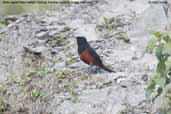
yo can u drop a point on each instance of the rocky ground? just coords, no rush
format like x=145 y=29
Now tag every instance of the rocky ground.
x=40 y=71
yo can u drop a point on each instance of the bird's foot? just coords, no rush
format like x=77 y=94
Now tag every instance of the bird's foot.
x=94 y=69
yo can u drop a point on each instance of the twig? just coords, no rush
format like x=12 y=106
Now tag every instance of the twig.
x=166 y=8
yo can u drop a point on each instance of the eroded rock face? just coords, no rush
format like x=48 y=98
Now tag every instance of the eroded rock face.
x=40 y=67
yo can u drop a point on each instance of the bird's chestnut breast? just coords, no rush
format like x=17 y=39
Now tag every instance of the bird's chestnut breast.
x=87 y=57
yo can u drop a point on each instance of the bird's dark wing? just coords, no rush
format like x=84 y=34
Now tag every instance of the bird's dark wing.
x=98 y=60
x=95 y=55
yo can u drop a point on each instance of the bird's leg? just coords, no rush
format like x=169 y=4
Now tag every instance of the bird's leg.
x=89 y=69
x=89 y=75
x=97 y=69
x=94 y=69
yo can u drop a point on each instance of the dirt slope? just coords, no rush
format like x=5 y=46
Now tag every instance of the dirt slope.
x=41 y=73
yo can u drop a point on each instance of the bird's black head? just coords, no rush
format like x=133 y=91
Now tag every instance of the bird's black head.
x=81 y=40
x=82 y=43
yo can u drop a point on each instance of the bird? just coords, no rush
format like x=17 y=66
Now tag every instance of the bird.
x=88 y=55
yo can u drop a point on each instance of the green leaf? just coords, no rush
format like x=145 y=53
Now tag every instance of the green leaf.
x=159 y=80
x=106 y=20
x=168 y=65
x=151 y=44
x=167 y=38
x=168 y=112
x=167 y=99
x=167 y=48
x=35 y=93
x=158 y=53
x=167 y=80
x=2 y=25
x=42 y=73
x=61 y=75
x=161 y=67
x=156 y=33
x=159 y=91
x=150 y=88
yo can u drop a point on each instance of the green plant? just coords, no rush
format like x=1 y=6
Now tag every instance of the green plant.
x=2 y=105
x=71 y=88
x=35 y=93
x=122 y=36
x=111 y=27
x=161 y=46
x=61 y=75
x=70 y=61
x=59 y=39
x=43 y=71
x=107 y=23
x=2 y=25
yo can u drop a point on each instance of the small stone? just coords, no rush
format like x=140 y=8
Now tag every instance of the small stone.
x=42 y=34
x=10 y=19
x=59 y=66
x=36 y=50
x=134 y=58
x=52 y=33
